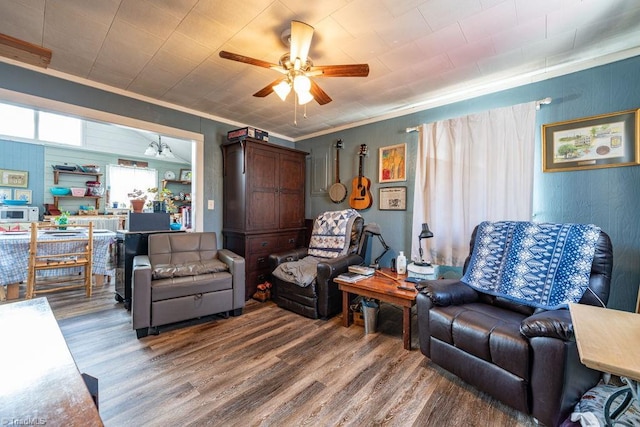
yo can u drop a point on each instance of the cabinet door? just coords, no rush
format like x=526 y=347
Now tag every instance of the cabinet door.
x=234 y=206
x=262 y=189
x=291 y=200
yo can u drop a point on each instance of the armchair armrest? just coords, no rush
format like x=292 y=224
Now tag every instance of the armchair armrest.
x=445 y=292
x=552 y=324
x=329 y=296
x=141 y=292
x=292 y=255
x=237 y=270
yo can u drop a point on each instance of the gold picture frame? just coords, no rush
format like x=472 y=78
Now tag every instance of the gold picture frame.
x=393 y=163
x=603 y=141
x=12 y=178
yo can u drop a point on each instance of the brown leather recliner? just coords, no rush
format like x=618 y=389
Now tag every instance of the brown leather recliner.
x=321 y=299
x=522 y=356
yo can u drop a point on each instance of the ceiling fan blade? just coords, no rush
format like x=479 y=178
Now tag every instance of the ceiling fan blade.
x=268 y=89
x=251 y=61
x=347 y=70
x=301 y=35
x=319 y=95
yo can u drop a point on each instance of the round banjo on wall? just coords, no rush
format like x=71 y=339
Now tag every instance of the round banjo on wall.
x=338 y=191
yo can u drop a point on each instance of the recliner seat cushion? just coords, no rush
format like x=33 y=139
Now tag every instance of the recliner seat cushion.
x=487 y=332
x=192 y=268
x=190 y=285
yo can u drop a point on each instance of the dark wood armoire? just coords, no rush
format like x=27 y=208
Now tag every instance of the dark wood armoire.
x=263 y=209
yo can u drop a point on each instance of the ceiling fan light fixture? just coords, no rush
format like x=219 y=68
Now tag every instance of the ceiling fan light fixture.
x=301 y=84
x=304 y=97
x=282 y=89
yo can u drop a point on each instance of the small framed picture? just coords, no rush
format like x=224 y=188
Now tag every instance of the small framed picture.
x=5 y=194
x=11 y=178
x=23 y=195
x=393 y=164
x=393 y=199
x=185 y=174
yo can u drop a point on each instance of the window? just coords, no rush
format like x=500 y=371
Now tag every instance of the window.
x=17 y=121
x=20 y=122
x=122 y=180
x=60 y=129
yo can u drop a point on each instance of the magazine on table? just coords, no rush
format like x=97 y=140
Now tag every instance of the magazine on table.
x=351 y=277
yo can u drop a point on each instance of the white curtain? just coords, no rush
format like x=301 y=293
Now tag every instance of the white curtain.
x=471 y=169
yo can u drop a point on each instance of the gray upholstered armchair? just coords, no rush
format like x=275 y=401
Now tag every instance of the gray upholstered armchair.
x=185 y=276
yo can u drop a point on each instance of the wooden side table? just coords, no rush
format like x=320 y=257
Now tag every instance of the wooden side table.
x=607 y=341
x=384 y=289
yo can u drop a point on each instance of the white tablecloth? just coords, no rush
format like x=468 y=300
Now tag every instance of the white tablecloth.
x=14 y=254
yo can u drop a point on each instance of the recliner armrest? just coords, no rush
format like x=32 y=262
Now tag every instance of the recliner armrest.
x=332 y=267
x=236 y=265
x=445 y=292
x=292 y=255
x=141 y=292
x=551 y=323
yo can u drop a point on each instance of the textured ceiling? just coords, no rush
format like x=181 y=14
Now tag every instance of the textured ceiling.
x=417 y=50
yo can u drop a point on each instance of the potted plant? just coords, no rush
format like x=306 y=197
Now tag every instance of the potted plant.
x=137 y=199
x=62 y=219
x=163 y=200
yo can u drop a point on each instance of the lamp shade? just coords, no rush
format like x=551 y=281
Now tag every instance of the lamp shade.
x=282 y=89
x=425 y=233
x=304 y=97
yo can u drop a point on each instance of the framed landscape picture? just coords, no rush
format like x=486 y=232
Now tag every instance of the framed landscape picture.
x=603 y=141
x=393 y=163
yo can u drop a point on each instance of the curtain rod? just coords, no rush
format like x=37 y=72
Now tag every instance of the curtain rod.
x=544 y=101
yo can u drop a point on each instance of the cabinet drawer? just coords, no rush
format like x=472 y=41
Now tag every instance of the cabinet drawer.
x=256 y=262
x=290 y=241
x=263 y=244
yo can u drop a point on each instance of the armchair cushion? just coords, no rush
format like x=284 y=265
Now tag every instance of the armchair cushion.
x=191 y=268
x=301 y=272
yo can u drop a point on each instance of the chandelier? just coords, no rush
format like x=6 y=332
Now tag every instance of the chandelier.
x=159 y=149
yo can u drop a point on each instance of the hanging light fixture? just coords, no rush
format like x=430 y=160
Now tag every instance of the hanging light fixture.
x=159 y=149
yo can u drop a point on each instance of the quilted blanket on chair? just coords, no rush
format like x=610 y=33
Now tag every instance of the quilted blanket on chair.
x=331 y=234
x=543 y=265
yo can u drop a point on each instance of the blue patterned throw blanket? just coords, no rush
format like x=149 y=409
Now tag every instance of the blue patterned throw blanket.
x=543 y=265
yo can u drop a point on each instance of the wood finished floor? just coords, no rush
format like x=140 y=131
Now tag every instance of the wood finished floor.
x=268 y=367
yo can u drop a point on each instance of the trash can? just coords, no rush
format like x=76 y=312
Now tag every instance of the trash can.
x=370 y=313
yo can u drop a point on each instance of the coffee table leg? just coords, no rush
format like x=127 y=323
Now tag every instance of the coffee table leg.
x=406 y=327
x=346 y=320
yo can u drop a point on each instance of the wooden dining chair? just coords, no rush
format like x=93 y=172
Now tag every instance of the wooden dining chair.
x=56 y=249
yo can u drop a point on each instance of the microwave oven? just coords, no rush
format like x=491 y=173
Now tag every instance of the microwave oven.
x=19 y=213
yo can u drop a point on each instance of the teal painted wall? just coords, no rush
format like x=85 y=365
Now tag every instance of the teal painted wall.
x=608 y=197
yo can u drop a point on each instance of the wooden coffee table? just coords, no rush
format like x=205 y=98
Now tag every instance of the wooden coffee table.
x=384 y=289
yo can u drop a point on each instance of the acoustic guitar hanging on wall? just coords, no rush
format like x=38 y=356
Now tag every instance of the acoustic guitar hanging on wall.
x=360 y=195
x=338 y=191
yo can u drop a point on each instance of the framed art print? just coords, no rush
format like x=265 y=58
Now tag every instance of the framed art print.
x=393 y=164
x=603 y=141
x=393 y=199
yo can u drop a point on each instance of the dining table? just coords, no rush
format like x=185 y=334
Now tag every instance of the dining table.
x=14 y=253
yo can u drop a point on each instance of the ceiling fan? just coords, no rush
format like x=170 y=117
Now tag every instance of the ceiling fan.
x=297 y=68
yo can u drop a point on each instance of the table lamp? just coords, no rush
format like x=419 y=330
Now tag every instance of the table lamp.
x=424 y=234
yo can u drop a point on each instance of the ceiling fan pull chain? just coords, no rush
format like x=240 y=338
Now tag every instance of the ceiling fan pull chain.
x=295 y=108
